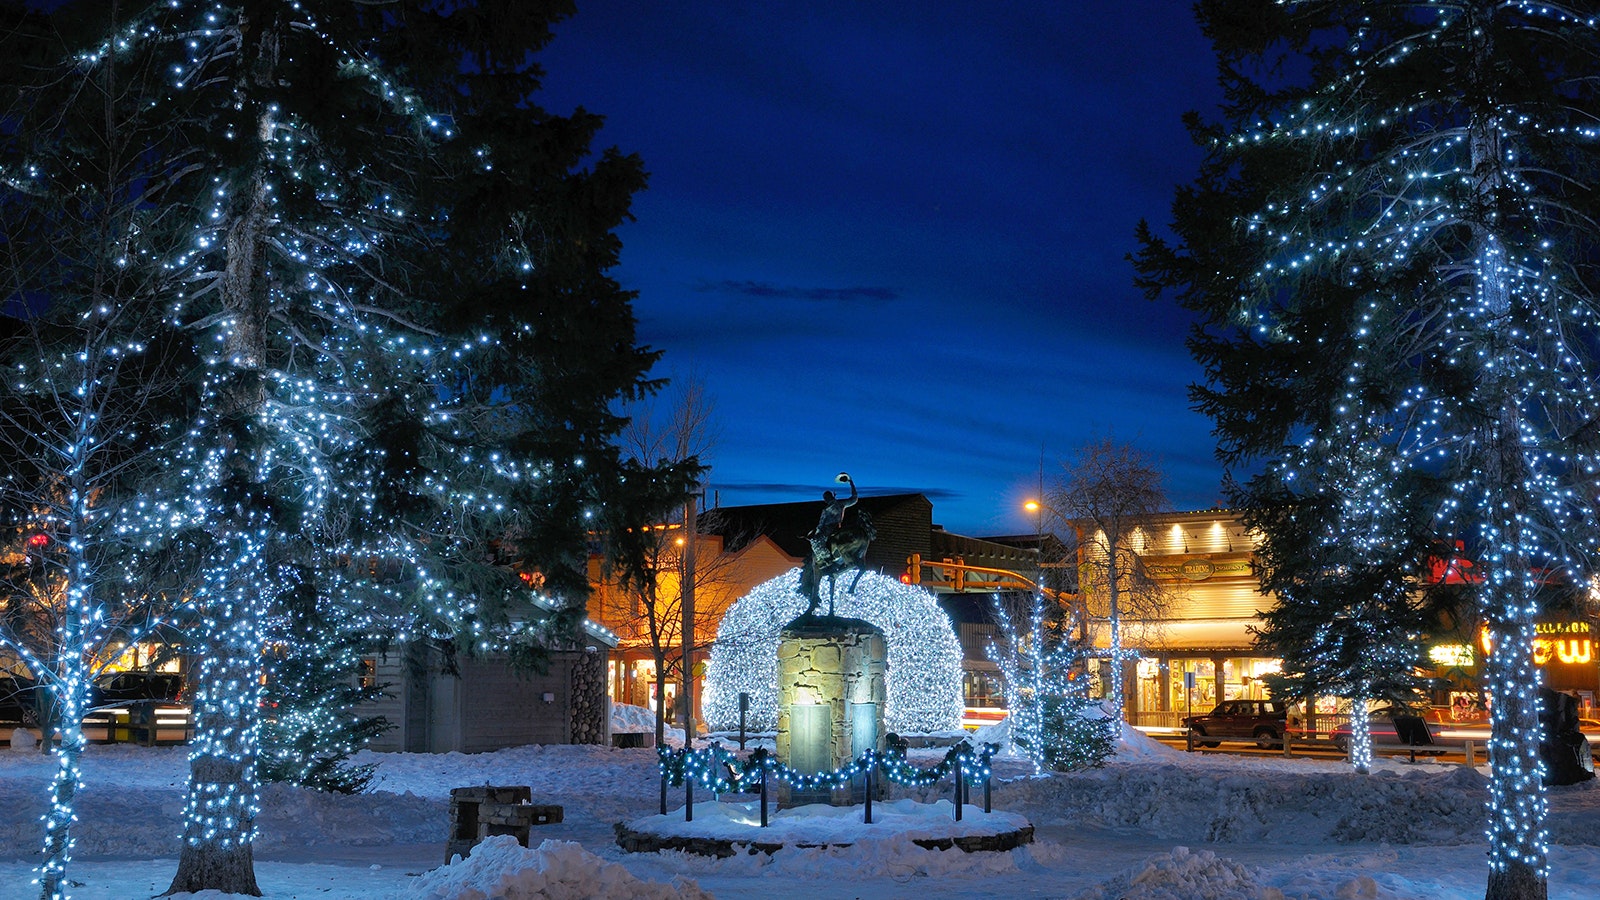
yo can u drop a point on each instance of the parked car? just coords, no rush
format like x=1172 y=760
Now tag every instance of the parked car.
x=1381 y=723
x=113 y=688
x=18 y=700
x=1262 y=721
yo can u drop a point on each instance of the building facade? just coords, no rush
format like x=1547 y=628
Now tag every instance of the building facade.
x=1200 y=649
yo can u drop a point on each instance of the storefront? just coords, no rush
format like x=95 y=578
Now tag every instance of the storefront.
x=1563 y=649
x=1194 y=645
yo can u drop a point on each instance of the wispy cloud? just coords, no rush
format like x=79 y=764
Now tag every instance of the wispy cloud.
x=778 y=492
x=790 y=292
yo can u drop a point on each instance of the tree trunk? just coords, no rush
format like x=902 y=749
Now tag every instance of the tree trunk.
x=661 y=701
x=1519 y=881
x=63 y=794
x=1114 y=613
x=1518 y=853
x=211 y=859
x=1360 y=734
x=219 y=816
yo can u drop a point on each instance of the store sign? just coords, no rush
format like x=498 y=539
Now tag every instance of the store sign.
x=1197 y=568
x=1454 y=656
x=1569 y=643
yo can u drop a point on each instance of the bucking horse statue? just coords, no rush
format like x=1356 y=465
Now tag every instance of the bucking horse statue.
x=836 y=546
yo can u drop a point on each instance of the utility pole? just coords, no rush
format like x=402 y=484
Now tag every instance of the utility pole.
x=686 y=589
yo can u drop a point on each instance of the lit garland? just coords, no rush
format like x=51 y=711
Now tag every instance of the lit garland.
x=718 y=770
x=924 y=664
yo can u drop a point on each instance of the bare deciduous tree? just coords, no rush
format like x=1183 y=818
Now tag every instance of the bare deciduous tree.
x=1109 y=494
x=659 y=601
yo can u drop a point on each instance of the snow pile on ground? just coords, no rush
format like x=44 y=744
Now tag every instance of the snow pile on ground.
x=1135 y=744
x=501 y=869
x=894 y=856
x=629 y=719
x=1221 y=801
x=1182 y=875
x=818 y=823
x=998 y=733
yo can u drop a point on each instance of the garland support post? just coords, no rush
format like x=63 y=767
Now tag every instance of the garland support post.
x=744 y=708
x=688 y=793
x=958 y=787
x=763 y=791
x=988 y=797
x=866 y=779
x=663 y=790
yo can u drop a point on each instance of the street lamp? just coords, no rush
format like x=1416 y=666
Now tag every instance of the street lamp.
x=1037 y=508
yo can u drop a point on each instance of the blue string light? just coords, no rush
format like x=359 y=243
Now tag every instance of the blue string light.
x=718 y=770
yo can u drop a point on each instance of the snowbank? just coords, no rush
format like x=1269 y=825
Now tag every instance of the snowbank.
x=1219 y=800
x=629 y=719
x=1135 y=744
x=1181 y=875
x=501 y=869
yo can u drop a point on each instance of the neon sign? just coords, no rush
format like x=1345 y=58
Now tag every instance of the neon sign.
x=1565 y=642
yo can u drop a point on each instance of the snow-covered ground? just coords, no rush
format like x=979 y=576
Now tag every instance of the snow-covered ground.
x=1155 y=823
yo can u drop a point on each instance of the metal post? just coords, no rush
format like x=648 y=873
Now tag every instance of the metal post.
x=763 y=792
x=867 y=779
x=959 y=779
x=744 y=707
x=988 y=798
x=686 y=586
x=688 y=794
x=663 y=792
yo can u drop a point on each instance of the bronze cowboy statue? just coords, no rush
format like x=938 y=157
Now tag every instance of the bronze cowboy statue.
x=836 y=546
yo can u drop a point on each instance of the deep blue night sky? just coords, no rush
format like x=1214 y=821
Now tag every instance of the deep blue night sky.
x=890 y=237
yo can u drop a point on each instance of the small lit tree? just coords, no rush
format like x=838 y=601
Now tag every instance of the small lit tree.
x=1053 y=719
x=313 y=688
x=92 y=381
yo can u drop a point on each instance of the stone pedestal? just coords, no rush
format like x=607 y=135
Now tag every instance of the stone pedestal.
x=481 y=812
x=831 y=696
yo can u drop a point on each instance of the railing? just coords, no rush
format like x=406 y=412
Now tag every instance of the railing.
x=1158 y=718
x=139 y=723
x=1325 y=723
x=720 y=771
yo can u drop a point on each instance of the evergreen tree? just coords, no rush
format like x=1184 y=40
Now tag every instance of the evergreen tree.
x=1414 y=183
x=408 y=350
x=314 y=687
x=1343 y=561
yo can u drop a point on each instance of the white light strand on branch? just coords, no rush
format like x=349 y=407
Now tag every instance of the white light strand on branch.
x=924 y=665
